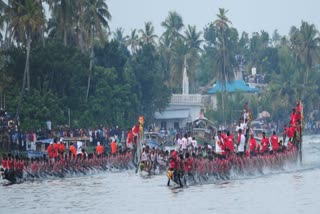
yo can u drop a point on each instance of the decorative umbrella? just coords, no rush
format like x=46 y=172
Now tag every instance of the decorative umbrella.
x=264 y=114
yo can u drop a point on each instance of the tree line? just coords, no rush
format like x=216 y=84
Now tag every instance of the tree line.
x=72 y=60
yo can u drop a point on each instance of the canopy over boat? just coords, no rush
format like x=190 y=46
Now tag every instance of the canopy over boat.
x=203 y=130
x=153 y=139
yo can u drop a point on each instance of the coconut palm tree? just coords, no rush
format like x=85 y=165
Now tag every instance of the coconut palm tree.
x=193 y=41
x=173 y=26
x=147 y=35
x=179 y=55
x=63 y=14
x=305 y=44
x=193 y=38
x=93 y=16
x=118 y=35
x=222 y=24
x=27 y=18
x=166 y=55
x=133 y=41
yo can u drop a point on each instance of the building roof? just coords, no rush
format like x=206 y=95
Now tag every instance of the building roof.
x=172 y=114
x=231 y=87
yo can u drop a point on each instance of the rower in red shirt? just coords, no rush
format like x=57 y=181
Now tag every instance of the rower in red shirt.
x=229 y=144
x=172 y=171
x=51 y=151
x=5 y=162
x=274 y=142
x=188 y=164
x=252 y=145
x=264 y=144
x=56 y=147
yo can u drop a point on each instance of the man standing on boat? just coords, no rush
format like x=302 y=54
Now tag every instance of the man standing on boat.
x=293 y=117
x=241 y=142
x=219 y=146
x=79 y=149
x=184 y=142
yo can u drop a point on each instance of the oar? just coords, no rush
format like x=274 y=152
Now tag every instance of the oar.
x=30 y=173
x=138 y=166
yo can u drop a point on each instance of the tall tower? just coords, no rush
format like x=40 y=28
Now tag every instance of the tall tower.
x=185 y=79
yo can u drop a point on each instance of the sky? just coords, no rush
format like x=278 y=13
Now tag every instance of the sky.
x=245 y=15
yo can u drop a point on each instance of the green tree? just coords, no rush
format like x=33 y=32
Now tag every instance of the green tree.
x=193 y=42
x=173 y=25
x=147 y=35
x=133 y=41
x=165 y=55
x=224 y=75
x=306 y=45
x=94 y=17
x=27 y=19
x=153 y=94
x=63 y=14
x=119 y=36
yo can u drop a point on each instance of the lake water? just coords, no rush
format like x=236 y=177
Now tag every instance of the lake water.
x=296 y=190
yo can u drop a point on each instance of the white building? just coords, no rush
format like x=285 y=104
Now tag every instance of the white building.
x=183 y=108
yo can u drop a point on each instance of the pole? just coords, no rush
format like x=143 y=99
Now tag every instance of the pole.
x=301 y=126
x=300 y=144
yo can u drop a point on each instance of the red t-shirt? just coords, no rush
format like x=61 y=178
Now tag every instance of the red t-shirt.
x=291 y=132
x=253 y=144
x=264 y=144
x=229 y=144
x=173 y=163
x=274 y=142
x=5 y=164
x=293 y=118
x=188 y=165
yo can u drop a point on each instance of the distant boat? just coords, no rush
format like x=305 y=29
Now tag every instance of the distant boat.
x=153 y=139
x=203 y=130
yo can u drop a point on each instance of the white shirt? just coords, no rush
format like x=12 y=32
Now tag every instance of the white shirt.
x=79 y=147
x=178 y=141
x=245 y=116
x=243 y=127
x=241 y=144
x=194 y=143
x=189 y=142
x=144 y=156
x=183 y=143
x=218 y=148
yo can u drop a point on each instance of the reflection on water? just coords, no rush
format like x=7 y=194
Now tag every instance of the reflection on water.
x=293 y=191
